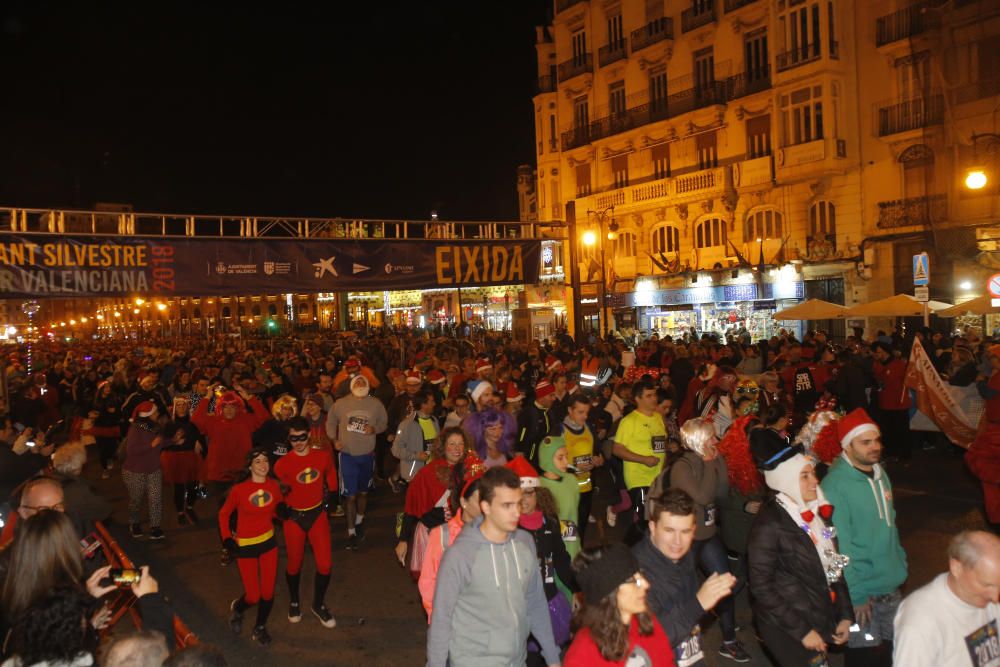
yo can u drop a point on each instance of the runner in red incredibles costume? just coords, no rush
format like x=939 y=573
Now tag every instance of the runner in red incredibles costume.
x=255 y=498
x=302 y=472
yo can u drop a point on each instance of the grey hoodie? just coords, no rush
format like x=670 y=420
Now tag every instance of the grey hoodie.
x=488 y=598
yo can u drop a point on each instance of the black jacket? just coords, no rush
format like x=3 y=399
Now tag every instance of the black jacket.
x=673 y=590
x=788 y=586
x=849 y=386
x=533 y=424
x=553 y=559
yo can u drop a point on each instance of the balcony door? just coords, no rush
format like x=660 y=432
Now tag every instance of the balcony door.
x=704 y=72
x=755 y=56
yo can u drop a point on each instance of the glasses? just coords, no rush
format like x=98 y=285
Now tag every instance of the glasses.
x=302 y=437
x=639 y=579
x=32 y=509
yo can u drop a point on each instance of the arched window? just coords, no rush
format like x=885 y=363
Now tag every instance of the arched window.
x=303 y=308
x=227 y=312
x=256 y=310
x=623 y=245
x=710 y=233
x=823 y=220
x=184 y=313
x=764 y=224
x=666 y=238
x=197 y=313
x=272 y=310
x=918 y=171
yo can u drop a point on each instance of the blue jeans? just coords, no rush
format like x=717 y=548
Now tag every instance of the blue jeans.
x=711 y=557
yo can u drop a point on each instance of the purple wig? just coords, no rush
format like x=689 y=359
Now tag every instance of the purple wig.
x=475 y=424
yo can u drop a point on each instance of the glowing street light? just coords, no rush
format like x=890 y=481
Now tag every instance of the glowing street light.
x=135 y=310
x=118 y=313
x=975 y=178
x=139 y=301
x=161 y=307
x=589 y=238
x=966 y=285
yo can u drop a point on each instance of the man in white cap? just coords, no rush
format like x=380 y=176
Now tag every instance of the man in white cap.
x=953 y=620
x=866 y=526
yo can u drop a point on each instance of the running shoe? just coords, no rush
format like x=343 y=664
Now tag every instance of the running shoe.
x=396 y=485
x=734 y=651
x=156 y=533
x=338 y=511
x=135 y=530
x=359 y=528
x=294 y=612
x=235 y=618
x=324 y=616
x=261 y=636
x=352 y=543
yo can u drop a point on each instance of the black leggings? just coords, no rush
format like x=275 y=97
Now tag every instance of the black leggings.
x=785 y=649
x=185 y=495
x=583 y=513
x=108 y=448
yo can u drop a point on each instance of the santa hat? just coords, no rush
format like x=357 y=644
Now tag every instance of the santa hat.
x=352 y=365
x=144 y=409
x=413 y=377
x=854 y=424
x=513 y=393
x=543 y=388
x=435 y=377
x=478 y=388
x=524 y=470
x=483 y=365
x=552 y=363
x=229 y=398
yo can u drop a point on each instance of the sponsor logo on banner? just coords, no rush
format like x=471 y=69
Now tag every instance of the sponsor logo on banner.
x=220 y=268
x=325 y=266
x=398 y=268
x=277 y=268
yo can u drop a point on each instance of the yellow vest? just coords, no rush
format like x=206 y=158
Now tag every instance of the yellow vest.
x=580 y=449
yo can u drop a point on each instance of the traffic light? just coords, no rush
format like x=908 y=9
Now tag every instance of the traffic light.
x=271 y=324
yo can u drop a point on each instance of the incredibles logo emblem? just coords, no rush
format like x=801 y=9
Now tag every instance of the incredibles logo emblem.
x=260 y=498
x=307 y=476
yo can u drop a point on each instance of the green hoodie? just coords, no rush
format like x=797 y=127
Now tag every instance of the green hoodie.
x=866 y=529
x=565 y=490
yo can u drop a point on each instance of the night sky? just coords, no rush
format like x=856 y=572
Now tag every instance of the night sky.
x=389 y=110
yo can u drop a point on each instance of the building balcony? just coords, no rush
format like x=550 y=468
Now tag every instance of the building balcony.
x=612 y=52
x=546 y=84
x=907 y=22
x=748 y=83
x=801 y=55
x=563 y=5
x=685 y=188
x=912 y=211
x=576 y=66
x=653 y=32
x=910 y=115
x=691 y=20
x=698 y=97
x=733 y=5
x=752 y=172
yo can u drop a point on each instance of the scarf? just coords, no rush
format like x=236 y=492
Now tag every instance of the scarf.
x=813 y=521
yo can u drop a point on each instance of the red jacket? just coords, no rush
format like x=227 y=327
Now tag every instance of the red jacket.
x=654 y=649
x=893 y=394
x=229 y=440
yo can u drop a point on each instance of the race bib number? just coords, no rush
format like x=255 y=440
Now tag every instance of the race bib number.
x=710 y=513
x=984 y=646
x=356 y=424
x=689 y=652
x=580 y=461
x=569 y=531
x=548 y=570
x=659 y=444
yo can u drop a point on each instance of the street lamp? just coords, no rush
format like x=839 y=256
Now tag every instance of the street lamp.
x=589 y=239
x=976 y=176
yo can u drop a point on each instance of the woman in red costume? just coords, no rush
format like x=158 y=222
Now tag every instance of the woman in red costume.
x=983 y=457
x=428 y=494
x=254 y=498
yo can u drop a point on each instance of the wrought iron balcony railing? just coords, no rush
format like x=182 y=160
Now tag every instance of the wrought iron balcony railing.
x=612 y=52
x=797 y=56
x=912 y=211
x=577 y=65
x=653 y=32
x=910 y=115
x=906 y=22
x=691 y=20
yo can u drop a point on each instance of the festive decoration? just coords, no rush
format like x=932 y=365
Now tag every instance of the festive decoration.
x=30 y=308
x=808 y=516
x=819 y=438
x=635 y=373
x=826 y=511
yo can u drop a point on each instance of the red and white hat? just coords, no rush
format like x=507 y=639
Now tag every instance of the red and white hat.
x=144 y=409
x=435 y=377
x=543 y=388
x=483 y=365
x=524 y=470
x=478 y=389
x=854 y=424
x=513 y=392
x=413 y=377
x=552 y=363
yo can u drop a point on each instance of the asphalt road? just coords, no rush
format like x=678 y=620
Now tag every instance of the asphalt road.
x=380 y=620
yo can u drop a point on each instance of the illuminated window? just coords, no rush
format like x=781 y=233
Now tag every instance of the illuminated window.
x=710 y=233
x=666 y=239
x=764 y=224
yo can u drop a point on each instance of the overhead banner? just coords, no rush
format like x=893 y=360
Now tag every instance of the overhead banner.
x=40 y=265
